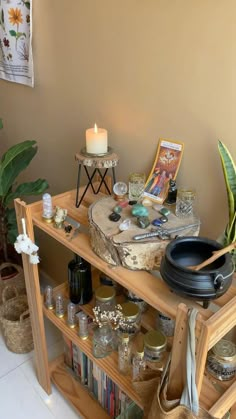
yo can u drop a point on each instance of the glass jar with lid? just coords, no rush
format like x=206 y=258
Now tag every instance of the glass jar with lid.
x=185 y=202
x=154 y=348
x=131 y=319
x=165 y=324
x=105 y=298
x=143 y=306
x=221 y=360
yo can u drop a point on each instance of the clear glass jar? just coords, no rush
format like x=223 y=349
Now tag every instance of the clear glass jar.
x=221 y=360
x=124 y=355
x=154 y=349
x=103 y=340
x=143 y=306
x=185 y=202
x=131 y=319
x=136 y=186
x=165 y=324
x=105 y=298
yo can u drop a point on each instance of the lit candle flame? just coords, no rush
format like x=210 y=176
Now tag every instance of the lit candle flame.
x=95 y=128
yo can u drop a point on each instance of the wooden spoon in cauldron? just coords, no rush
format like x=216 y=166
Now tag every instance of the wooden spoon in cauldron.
x=216 y=255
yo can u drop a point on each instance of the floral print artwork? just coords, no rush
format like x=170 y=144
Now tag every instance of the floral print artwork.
x=16 y=63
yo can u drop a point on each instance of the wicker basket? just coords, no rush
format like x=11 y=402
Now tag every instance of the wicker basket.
x=15 y=322
x=18 y=280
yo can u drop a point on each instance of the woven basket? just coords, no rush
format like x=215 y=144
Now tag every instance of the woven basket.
x=18 y=280
x=15 y=322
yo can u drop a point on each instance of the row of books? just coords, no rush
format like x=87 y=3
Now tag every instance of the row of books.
x=103 y=389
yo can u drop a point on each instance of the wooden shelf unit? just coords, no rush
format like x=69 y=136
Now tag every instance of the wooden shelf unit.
x=216 y=397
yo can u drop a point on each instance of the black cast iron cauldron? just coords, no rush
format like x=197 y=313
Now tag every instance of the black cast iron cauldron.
x=204 y=285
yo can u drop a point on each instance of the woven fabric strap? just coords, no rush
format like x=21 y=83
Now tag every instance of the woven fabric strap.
x=189 y=396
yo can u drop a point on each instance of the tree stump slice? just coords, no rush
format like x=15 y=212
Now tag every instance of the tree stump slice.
x=118 y=248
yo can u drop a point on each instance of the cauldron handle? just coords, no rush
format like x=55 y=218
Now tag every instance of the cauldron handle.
x=219 y=281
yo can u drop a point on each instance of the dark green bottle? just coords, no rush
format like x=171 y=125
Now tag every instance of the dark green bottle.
x=80 y=281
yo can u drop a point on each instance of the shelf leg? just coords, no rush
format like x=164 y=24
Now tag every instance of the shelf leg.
x=34 y=301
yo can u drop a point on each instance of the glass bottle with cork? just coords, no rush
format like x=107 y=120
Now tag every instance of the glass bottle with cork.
x=124 y=355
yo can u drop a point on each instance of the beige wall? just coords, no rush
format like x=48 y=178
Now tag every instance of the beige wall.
x=143 y=69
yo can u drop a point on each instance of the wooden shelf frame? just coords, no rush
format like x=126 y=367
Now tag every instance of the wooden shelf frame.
x=209 y=329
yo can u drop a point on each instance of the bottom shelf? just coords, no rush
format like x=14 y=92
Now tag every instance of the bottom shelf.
x=75 y=392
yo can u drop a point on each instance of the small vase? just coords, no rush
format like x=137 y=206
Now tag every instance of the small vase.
x=103 y=341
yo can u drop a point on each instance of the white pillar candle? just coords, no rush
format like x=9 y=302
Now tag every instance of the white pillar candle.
x=96 y=140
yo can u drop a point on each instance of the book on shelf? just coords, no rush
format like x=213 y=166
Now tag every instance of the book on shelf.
x=108 y=394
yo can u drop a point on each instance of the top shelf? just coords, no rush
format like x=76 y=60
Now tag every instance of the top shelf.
x=148 y=286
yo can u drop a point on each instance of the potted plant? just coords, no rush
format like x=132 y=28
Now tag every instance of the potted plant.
x=229 y=171
x=13 y=162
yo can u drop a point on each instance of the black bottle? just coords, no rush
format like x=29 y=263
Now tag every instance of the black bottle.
x=80 y=281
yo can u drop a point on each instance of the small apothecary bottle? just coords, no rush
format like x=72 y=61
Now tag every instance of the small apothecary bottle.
x=221 y=360
x=138 y=363
x=131 y=319
x=83 y=325
x=124 y=355
x=48 y=297
x=105 y=298
x=80 y=281
x=60 y=309
x=154 y=349
x=71 y=314
x=165 y=324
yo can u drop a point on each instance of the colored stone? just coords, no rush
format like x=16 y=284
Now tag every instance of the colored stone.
x=164 y=211
x=117 y=209
x=125 y=225
x=147 y=202
x=132 y=202
x=163 y=219
x=123 y=204
x=114 y=217
x=138 y=210
x=157 y=222
x=143 y=222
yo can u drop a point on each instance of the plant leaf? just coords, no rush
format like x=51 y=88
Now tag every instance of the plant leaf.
x=29 y=188
x=19 y=34
x=12 y=33
x=13 y=162
x=229 y=171
x=27 y=4
x=12 y=230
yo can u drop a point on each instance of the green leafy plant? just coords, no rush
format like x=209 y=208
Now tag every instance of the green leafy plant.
x=229 y=171
x=13 y=162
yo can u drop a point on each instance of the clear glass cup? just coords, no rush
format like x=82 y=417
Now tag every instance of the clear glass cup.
x=185 y=202
x=136 y=186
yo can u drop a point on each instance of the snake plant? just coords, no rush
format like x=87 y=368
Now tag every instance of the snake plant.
x=229 y=171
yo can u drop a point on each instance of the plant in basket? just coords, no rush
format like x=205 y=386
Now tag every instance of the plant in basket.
x=13 y=162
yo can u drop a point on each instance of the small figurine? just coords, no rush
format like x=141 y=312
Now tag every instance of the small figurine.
x=59 y=217
x=172 y=193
